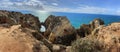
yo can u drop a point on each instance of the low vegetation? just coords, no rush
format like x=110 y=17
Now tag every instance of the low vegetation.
x=86 y=45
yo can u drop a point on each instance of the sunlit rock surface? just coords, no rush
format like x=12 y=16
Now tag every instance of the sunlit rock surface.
x=18 y=39
x=59 y=30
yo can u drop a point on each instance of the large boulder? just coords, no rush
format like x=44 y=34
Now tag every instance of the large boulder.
x=15 y=18
x=18 y=39
x=59 y=30
x=86 y=29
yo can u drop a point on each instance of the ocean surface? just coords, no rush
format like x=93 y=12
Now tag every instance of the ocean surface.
x=77 y=19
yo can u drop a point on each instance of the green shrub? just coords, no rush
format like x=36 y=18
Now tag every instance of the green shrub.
x=86 y=45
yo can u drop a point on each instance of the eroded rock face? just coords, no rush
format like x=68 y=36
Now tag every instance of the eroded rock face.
x=59 y=30
x=15 y=18
x=110 y=36
x=96 y=23
x=86 y=29
x=102 y=39
x=18 y=39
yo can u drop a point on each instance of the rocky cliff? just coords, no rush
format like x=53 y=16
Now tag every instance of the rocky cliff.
x=21 y=33
x=14 y=18
x=110 y=37
x=102 y=39
x=18 y=39
x=59 y=30
x=86 y=29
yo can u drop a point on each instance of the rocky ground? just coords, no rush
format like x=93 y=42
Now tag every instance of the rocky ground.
x=21 y=33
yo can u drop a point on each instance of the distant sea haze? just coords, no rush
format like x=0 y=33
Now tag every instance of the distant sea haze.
x=77 y=19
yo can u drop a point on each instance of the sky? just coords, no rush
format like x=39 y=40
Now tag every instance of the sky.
x=111 y=7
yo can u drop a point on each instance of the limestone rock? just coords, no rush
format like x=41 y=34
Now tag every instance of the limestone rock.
x=18 y=39
x=96 y=23
x=110 y=36
x=16 y=18
x=59 y=48
x=59 y=30
x=104 y=39
x=86 y=29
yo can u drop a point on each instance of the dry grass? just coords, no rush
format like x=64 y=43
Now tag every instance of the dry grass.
x=87 y=45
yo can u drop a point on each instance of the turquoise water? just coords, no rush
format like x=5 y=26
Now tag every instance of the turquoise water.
x=78 y=19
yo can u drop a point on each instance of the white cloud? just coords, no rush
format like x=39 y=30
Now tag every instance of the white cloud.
x=81 y=9
x=37 y=5
x=92 y=9
x=25 y=5
x=55 y=4
x=41 y=9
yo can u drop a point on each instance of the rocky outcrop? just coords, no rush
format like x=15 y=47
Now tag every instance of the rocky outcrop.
x=96 y=23
x=15 y=18
x=21 y=33
x=59 y=30
x=86 y=29
x=102 y=39
x=18 y=39
x=110 y=37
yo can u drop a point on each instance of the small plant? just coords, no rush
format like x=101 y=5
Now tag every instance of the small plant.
x=86 y=45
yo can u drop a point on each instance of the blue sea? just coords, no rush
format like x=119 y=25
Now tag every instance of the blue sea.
x=77 y=19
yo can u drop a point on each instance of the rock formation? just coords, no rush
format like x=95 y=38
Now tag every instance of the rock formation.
x=18 y=39
x=15 y=18
x=102 y=39
x=59 y=30
x=21 y=33
x=86 y=29
x=110 y=37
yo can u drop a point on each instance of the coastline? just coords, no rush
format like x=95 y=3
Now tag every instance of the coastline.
x=59 y=34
